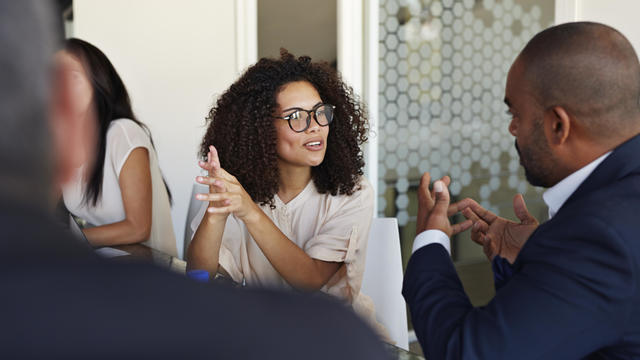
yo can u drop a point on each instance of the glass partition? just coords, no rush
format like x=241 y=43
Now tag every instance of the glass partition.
x=442 y=72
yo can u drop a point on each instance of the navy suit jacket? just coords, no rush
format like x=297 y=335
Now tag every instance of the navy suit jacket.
x=575 y=288
x=60 y=301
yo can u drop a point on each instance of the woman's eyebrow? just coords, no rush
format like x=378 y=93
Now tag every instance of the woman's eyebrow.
x=292 y=108
x=299 y=108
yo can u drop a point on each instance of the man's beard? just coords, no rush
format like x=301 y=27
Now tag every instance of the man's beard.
x=537 y=162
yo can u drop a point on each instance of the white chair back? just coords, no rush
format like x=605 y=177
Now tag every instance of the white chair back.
x=382 y=279
x=194 y=206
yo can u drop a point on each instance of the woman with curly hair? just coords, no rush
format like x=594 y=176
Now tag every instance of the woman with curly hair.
x=287 y=203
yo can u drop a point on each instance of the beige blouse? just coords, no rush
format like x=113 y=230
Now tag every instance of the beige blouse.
x=326 y=227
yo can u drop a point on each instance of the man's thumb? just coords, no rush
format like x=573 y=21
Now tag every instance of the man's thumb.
x=442 y=195
x=520 y=208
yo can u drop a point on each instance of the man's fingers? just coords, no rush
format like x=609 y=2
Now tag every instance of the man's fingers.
x=442 y=197
x=458 y=228
x=476 y=235
x=469 y=214
x=478 y=231
x=488 y=249
x=425 y=180
x=453 y=209
x=482 y=226
x=482 y=213
x=461 y=205
x=479 y=225
x=425 y=201
x=446 y=181
x=520 y=208
x=493 y=245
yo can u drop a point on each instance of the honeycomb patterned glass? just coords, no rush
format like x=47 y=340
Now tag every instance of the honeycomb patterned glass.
x=443 y=67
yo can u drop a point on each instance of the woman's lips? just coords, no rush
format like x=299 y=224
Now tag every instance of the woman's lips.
x=314 y=145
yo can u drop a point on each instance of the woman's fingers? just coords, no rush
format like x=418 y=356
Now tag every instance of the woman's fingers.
x=207 y=165
x=204 y=165
x=214 y=197
x=214 y=160
x=223 y=174
x=211 y=181
x=206 y=180
x=215 y=184
x=214 y=167
x=220 y=172
x=221 y=210
x=217 y=200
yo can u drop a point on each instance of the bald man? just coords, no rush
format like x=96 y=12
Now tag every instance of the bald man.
x=573 y=287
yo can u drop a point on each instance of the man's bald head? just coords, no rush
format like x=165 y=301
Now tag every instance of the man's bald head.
x=589 y=69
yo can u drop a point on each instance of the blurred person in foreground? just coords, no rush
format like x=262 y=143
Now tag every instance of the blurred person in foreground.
x=61 y=301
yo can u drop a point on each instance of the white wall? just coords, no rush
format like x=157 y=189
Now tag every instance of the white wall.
x=304 y=27
x=620 y=14
x=175 y=58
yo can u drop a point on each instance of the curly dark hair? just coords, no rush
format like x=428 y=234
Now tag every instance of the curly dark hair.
x=241 y=127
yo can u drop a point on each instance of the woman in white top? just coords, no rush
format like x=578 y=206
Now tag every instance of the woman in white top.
x=287 y=205
x=120 y=192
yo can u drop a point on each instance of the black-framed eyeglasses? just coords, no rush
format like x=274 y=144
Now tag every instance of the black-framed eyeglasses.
x=300 y=119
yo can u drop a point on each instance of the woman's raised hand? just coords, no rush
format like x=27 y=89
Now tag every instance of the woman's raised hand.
x=226 y=194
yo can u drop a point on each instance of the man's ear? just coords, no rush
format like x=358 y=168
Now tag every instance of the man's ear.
x=557 y=125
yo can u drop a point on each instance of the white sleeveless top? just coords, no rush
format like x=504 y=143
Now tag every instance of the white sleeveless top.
x=123 y=136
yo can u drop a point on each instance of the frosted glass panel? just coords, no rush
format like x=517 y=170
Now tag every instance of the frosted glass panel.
x=443 y=67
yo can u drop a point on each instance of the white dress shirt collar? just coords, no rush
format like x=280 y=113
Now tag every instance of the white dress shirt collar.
x=558 y=194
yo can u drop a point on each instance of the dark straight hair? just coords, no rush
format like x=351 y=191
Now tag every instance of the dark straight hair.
x=110 y=101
